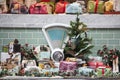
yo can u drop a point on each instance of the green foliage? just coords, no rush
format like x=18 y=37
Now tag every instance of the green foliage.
x=78 y=33
x=77 y=28
x=3 y=72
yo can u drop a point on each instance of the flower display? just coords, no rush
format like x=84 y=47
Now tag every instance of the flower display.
x=27 y=52
x=108 y=55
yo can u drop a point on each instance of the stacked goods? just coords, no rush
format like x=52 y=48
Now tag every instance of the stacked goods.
x=29 y=2
x=109 y=6
x=116 y=5
x=60 y=7
x=68 y=68
x=95 y=6
x=74 y=7
x=3 y=7
x=112 y=7
x=18 y=7
x=41 y=8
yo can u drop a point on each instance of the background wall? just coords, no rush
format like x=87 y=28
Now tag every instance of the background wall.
x=35 y=37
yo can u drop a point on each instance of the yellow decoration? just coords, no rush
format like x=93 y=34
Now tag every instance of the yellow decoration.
x=33 y=75
x=71 y=59
x=46 y=73
x=41 y=65
x=84 y=65
x=109 y=6
x=16 y=6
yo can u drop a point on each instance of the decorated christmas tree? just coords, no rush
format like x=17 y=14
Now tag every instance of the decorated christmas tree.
x=79 y=43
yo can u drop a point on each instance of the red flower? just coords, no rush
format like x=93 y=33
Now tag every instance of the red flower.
x=26 y=45
x=114 y=56
x=101 y=52
x=105 y=48
x=22 y=53
x=105 y=57
x=33 y=48
x=35 y=52
x=111 y=51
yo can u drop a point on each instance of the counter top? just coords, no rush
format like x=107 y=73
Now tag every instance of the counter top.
x=40 y=20
x=56 y=78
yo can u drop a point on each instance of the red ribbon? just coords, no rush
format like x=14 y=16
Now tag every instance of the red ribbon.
x=103 y=71
x=96 y=6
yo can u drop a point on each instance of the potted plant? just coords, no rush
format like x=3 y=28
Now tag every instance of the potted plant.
x=28 y=53
x=110 y=57
x=79 y=43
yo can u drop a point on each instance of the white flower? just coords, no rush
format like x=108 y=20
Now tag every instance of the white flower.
x=80 y=27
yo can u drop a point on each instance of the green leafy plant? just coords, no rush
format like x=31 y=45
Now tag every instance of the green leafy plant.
x=3 y=72
x=81 y=44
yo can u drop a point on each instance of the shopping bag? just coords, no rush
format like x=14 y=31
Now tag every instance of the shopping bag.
x=60 y=7
x=15 y=8
x=109 y=6
x=41 y=8
x=116 y=6
x=23 y=9
x=45 y=0
x=96 y=6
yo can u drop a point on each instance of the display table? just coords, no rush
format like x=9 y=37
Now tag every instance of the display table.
x=54 y=78
x=28 y=78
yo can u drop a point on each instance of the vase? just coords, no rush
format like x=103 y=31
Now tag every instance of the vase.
x=115 y=65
